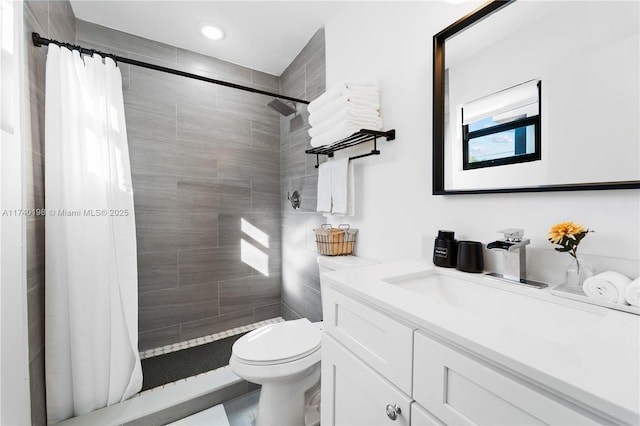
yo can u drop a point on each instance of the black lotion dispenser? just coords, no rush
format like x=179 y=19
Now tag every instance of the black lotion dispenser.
x=445 y=250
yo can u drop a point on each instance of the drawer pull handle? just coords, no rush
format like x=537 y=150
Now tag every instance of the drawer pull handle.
x=393 y=411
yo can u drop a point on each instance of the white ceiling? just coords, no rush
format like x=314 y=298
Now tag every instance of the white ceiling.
x=263 y=35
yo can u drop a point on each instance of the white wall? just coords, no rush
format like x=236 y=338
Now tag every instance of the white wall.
x=397 y=215
x=14 y=354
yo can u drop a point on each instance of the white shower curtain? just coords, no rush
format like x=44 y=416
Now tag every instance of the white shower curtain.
x=91 y=300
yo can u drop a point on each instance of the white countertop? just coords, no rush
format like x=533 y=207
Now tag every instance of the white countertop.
x=538 y=336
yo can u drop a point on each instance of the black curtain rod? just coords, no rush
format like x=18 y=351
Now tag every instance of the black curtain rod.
x=41 y=41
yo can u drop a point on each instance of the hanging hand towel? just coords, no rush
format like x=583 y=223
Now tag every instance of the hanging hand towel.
x=324 y=187
x=632 y=293
x=609 y=286
x=351 y=191
x=339 y=186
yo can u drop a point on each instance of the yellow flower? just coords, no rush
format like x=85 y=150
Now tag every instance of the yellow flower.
x=559 y=231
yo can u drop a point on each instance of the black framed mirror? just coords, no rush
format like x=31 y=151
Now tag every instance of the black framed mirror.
x=584 y=56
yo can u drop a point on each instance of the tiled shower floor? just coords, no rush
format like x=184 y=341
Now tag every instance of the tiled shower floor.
x=206 y=339
x=175 y=362
x=162 y=369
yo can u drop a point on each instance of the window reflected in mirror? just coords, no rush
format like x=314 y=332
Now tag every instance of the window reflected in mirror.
x=502 y=128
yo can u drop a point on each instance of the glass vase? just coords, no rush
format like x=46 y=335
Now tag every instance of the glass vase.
x=577 y=272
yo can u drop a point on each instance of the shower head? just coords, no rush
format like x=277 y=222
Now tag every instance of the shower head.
x=281 y=107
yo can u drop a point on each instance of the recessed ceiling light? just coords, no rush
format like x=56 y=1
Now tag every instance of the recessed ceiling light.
x=211 y=32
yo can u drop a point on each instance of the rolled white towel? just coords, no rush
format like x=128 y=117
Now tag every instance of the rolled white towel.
x=608 y=286
x=632 y=294
x=364 y=121
x=355 y=93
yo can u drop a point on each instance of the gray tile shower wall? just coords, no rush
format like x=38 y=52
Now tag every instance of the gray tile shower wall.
x=209 y=166
x=205 y=165
x=52 y=19
x=304 y=78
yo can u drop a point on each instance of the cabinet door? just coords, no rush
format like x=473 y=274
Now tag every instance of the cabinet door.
x=421 y=417
x=382 y=342
x=354 y=394
x=462 y=390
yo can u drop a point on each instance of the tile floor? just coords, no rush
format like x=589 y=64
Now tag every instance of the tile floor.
x=240 y=411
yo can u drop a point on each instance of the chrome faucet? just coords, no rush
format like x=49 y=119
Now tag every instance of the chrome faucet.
x=514 y=247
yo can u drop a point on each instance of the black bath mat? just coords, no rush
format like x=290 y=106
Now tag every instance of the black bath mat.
x=167 y=368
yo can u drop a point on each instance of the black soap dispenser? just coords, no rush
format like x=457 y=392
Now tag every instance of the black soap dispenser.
x=445 y=250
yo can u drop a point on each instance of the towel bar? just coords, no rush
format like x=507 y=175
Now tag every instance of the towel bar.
x=364 y=135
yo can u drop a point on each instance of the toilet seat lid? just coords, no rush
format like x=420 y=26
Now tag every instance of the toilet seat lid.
x=277 y=343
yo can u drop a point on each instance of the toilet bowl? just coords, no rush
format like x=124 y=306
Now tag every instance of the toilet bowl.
x=285 y=359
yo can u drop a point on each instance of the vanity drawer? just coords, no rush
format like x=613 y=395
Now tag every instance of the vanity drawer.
x=382 y=342
x=462 y=390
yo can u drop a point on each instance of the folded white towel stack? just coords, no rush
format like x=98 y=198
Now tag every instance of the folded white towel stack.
x=608 y=286
x=343 y=110
x=632 y=294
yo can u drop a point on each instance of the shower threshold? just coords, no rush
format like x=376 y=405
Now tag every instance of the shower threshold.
x=179 y=399
x=168 y=403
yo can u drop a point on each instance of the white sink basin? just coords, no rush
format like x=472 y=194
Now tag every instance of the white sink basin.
x=548 y=319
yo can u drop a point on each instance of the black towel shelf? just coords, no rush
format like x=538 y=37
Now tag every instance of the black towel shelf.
x=357 y=138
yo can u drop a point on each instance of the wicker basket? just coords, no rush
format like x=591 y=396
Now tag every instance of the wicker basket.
x=335 y=241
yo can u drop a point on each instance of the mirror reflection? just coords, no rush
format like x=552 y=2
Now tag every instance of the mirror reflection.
x=501 y=128
x=579 y=124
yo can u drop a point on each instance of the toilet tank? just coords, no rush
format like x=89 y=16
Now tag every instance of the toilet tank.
x=336 y=263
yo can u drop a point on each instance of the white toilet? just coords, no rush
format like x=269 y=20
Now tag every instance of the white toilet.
x=285 y=359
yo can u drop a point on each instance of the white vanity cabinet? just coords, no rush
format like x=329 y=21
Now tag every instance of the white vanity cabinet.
x=462 y=390
x=377 y=366
x=367 y=365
